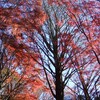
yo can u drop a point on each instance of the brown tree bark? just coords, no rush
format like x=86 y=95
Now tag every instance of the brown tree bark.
x=59 y=86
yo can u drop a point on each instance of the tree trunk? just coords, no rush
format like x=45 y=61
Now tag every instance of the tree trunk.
x=86 y=94
x=59 y=86
x=87 y=97
x=59 y=82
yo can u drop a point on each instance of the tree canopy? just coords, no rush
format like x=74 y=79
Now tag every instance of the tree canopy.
x=49 y=49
